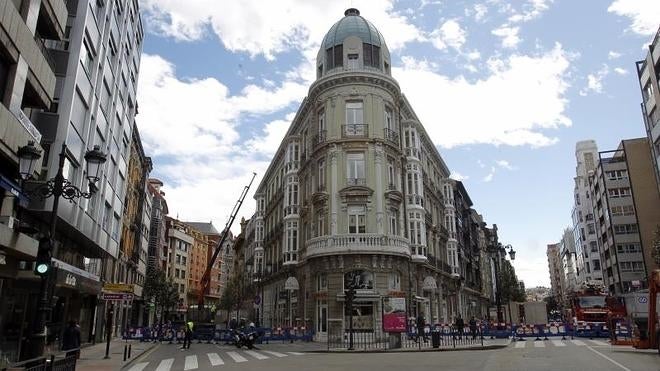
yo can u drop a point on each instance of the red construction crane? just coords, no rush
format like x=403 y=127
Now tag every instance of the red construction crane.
x=206 y=278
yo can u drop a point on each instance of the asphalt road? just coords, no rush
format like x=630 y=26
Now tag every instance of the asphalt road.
x=580 y=355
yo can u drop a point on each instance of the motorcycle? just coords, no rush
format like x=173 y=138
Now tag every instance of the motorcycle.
x=246 y=339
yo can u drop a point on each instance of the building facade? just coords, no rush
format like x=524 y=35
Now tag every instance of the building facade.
x=212 y=296
x=357 y=193
x=180 y=242
x=648 y=73
x=626 y=205
x=199 y=254
x=557 y=276
x=588 y=265
x=158 y=251
x=568 y=262
x=27 y=85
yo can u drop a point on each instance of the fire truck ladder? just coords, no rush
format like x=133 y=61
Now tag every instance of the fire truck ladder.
x=206 y=278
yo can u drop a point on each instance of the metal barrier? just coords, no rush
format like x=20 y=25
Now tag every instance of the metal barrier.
x=209 y=334
x=65 y=361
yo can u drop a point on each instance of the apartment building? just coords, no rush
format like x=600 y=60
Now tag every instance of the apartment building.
x=180 y=242
x=588 y=265
x=557 y=276
x=568 y=262
x=212 y=296
x=27 y=85
x=626 y=206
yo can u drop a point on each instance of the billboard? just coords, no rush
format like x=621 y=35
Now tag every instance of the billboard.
x=394 y=314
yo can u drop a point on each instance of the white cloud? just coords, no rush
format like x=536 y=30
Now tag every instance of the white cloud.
x=450 y=34
x=644 y=14
x=458 y=176
x=505 y=164
x=480 y=11
x=509 y=35
x=595 y=81
x=274 y=133
x=521 y=98
x=488 y=178
x=199 y=150
x=531 y=10
x=269 y=27
x=613 y=55
x=621 y=71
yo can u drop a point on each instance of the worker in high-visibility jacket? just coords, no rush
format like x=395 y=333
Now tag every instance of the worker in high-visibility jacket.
x=187 y=340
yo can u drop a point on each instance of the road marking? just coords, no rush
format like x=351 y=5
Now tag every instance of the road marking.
x=139 y=366
x=236 y=357
x=578 y=342
x=598 y=342
x=608 y=358
x=256 y=355
x=191 y=363
x=215 y=359
x=539 y=344
x=558 y=343
x=520 y=344
x=165 y=365
x=296 y=353
x=276 y=354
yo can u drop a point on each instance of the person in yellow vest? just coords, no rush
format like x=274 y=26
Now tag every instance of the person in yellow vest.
x=187 y=340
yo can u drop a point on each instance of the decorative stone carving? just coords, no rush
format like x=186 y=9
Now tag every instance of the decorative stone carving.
x=374 y=261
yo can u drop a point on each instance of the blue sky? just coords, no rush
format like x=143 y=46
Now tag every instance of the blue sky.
x=504 y=89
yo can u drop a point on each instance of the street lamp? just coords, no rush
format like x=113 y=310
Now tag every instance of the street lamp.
x=500 y=252
x=56 y=187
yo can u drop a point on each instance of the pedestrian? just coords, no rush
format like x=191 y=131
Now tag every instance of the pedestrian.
x=420 y=328
x=473 y=327
x=71 y=339
x=187 y=337
x=459 y=326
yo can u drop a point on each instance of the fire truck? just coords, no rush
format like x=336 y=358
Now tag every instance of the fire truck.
x=591 y=305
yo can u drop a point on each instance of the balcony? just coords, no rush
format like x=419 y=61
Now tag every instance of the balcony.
x=362 y=243
x=356 y=182
x=353 y=131
x=412 y=152
x=16 y=129
x=391 y=136
x=319 y=139
x=291 y=166
x=415 y=200
x=291 y=210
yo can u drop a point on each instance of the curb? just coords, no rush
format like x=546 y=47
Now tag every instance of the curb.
x=486 y=347
x=145 y=353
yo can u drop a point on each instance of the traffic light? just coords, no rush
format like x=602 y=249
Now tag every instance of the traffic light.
x=44 y=263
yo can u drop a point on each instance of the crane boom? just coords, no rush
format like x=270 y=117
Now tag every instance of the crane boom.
x=206 y=278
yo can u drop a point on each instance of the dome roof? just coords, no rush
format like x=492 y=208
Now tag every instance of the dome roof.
x=353 y=24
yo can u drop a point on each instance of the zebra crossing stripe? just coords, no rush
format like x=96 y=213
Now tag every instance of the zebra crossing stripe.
x=296 y=353
x=558 y=343
x=539 y=344
x=276 y=354
x=165 y=365
x=139 y=366
x=256 y=355
x=236 y=357
x=520 y=344
x=191 y=363
x=598 y=342
x=578 y=342
x=215 y=359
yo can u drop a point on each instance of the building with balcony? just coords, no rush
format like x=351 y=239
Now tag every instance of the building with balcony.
x=136 y=224
x=212 y=296
x=199 y=255
x=157 y=252
x=180 y=241
x=27 y=85
x=588 y=265
x=568 y=262
x=627 y=210
x=357 y=193
x=648 y=74
x=557 y=276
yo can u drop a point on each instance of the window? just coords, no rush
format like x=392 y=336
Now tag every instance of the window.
x=625 y=228
x=628 y=248
x=355 y=168
x=357 y=219
x=107 y=215
x=619 y=192
x=417 y=233
x=625 y=210
x=389 y=123
x=320 y=224
x=87 y=57
x=354 y=118
x=177 y=273
x=394 y=217
x=352 y=61
x=322 y=282
x=617 y=174
x=394 y=281
x=178 y=259
x=292 y=192
x=413 y=183
x=321 y=176
x=361 y=280
x=596 y=264
x=321 y=118
x=291 y=241
x=390 y=173
x=591 y=229
x=115 y=227
x=334 y=57
x=371 y=55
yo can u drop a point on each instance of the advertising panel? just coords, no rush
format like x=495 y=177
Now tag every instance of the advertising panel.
x=394 y=314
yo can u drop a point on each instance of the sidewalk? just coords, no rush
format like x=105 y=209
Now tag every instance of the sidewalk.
x=92 y=357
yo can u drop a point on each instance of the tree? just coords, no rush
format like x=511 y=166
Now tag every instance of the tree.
x=161 y=290
x=510 y=289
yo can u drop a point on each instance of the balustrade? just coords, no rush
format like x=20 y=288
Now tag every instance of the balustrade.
x=356 y=130
x=336 y=244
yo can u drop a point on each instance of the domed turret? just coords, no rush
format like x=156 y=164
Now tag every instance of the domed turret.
x=353 y=43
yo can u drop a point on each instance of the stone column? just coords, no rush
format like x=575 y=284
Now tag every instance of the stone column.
x=334 y=188
x=379 y=156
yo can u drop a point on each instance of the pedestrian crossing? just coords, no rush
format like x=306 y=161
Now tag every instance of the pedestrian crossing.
x=206 y=360
x=530 y=343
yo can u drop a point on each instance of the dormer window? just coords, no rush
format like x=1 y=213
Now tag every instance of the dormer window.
x=334 y=56
x=371 y=55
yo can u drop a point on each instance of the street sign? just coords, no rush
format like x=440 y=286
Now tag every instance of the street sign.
x=119 y=287
x=257 y=299
x=643 y=299
x=116 y=296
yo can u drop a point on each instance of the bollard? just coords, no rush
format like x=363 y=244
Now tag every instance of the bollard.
x=125 y=351
x=129 y=351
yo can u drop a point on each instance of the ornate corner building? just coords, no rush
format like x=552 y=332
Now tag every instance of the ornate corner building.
x=358 y=189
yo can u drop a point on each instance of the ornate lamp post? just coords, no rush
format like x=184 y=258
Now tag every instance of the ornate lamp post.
x=500 y=252
x=56 y=187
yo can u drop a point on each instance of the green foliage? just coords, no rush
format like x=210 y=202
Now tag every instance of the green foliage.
x=510 y=289
x=162 y=291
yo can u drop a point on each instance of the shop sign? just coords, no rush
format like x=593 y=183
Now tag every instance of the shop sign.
x=394 y=314
x=116 y=296
x=119 y=287
x=396 y=294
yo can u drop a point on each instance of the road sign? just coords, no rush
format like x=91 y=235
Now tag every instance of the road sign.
x=643 y=299
x=257 y=299
x=116 y=296
x=119 y=287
